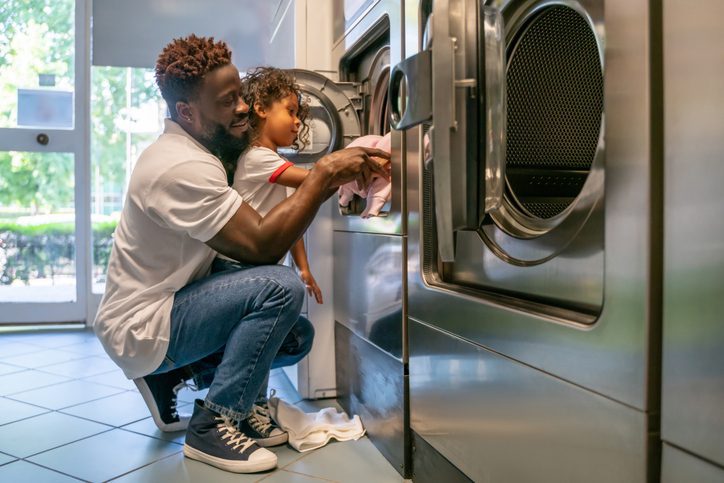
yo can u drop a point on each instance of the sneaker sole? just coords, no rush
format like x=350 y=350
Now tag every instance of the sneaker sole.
x=273 y=440
x=180 y=425
x=230 y=465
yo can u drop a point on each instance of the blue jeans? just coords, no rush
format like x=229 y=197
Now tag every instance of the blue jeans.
x=228 y=330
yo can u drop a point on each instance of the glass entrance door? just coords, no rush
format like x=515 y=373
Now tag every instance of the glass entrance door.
x=44 y=187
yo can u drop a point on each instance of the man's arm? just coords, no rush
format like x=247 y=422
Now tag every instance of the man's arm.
x=247 y=237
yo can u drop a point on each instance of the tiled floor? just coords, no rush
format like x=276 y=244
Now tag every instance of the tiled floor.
x=68 y=414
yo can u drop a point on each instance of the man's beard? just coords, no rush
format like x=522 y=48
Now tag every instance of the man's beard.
x=221 y=140
x=226 y=147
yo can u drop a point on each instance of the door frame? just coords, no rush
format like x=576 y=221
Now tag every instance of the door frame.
x=77 y=142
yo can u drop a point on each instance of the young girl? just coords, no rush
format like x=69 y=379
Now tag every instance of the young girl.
x=276 y=119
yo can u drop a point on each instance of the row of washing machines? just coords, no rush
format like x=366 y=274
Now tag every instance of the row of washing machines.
x=540 y=300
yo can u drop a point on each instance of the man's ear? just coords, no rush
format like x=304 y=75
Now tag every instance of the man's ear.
x=184 y=111
x=259 y=110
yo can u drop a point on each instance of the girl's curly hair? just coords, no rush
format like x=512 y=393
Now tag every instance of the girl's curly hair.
x=266 y=85
x=182 y=65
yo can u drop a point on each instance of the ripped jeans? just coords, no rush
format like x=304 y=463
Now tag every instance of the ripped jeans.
x=228 y=330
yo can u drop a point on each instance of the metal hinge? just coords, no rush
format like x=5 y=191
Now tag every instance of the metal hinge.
x=355 y=92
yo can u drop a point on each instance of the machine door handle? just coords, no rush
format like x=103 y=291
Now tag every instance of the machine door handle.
x=411 y=79
x=416 y=98
x=496 y=109
x=429 y=86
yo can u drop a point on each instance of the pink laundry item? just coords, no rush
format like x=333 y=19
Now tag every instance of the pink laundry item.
x=379 y=191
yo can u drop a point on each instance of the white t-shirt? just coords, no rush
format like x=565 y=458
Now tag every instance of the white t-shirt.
x=178 y=198
x=255 y=178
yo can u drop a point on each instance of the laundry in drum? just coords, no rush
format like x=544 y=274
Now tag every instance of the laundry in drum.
x=378 y=192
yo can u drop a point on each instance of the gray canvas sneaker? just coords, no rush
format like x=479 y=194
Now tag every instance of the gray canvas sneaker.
x=260 y=426
x=217 y=441
x=160 y=393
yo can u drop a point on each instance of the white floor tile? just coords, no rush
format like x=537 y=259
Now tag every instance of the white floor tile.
x=178 y=469
x=290 y=477
x=80 y=368
x=65 y=394
x=42 y=358
x=117 y=410
x=32 y=435
x=105 y=456
x=349 y=461
x=9 y=369
x=9 y=348
x=5 y=459
x=22 y=471
x=148 y=427
x=114 y=379
x=14 y=410
x=27 y=380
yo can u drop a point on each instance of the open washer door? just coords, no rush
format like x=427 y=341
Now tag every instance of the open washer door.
x=457 y=79
x=335 y=119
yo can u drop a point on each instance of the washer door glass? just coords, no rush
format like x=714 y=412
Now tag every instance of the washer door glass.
x=333 y=119
x=555 y=116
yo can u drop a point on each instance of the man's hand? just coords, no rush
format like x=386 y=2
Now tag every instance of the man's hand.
x=354 y=164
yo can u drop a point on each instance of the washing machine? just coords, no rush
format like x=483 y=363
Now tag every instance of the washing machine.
x=533 y=156
x=358 y=262
x=693 y=335
x=370 y=253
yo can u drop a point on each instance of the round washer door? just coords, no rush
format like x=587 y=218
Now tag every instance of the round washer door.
x=333 y=119
x=554 y=176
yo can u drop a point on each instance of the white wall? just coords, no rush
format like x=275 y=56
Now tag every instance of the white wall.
x=131 y=33
x=302 y=37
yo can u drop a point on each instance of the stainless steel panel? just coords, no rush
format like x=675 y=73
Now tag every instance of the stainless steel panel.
x=693 y=354
x=368 y=287
x=498 y=420
x=364 y=30
x=581 y=262
x=678 y=467
x=372 y=384
x=611 y=356
x=429 y=466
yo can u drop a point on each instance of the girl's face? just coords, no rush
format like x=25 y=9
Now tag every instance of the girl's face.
x=281 y=124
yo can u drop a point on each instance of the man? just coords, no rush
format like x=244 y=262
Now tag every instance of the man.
x=164 y=318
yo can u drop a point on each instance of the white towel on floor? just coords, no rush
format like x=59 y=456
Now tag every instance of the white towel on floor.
x=308 y=431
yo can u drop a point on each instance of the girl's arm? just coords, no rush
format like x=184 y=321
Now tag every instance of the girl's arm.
x=292 y=176
x=299 y=255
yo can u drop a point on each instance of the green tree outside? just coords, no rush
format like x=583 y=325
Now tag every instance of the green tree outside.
x=38 y=38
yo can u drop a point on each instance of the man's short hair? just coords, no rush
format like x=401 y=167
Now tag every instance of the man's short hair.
x=182 y=65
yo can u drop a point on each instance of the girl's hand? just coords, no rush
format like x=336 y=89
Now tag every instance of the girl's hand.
x=311 y=284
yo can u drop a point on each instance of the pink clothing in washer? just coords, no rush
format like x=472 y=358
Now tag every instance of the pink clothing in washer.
x=379 y=191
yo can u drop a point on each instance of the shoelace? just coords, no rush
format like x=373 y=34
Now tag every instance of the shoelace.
x=260 y=419
x=231 y=434
x=174 y=400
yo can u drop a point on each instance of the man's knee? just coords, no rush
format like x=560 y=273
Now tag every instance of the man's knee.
x=296 y=345
x=288 y=281
x=304 y=333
